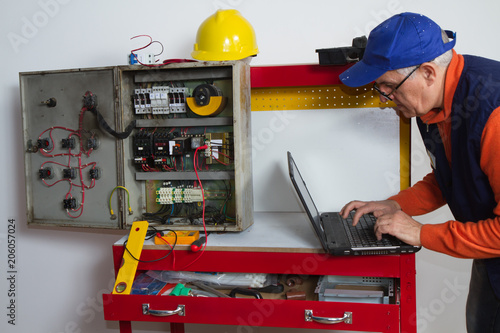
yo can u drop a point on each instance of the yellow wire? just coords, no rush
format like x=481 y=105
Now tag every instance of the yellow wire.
x=128 y=199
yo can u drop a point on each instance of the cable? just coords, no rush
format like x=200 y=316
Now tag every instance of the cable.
x=151 y=41
x=113 y=216
x=215 y=158
x=142 y=48
x=203 y=212
x=158 y=259
x=78 y=133
x=171 y=213
x=159 y=235
x=165 y=62
x=90 y=104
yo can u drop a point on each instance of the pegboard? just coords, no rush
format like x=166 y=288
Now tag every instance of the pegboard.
x=315 y=97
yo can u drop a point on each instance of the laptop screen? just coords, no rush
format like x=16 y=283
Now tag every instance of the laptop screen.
x=306 y=199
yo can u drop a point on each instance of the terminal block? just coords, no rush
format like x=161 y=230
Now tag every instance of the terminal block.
x=219 y=148
x=171 y=195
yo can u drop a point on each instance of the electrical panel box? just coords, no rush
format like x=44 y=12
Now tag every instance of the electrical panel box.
x=105 y=147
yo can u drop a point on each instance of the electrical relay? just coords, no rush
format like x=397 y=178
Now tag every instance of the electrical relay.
x=105 y=147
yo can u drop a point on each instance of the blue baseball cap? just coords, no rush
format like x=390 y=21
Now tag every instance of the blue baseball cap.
x=404 y=40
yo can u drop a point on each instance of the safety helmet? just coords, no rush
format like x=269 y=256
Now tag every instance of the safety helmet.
x=225 y=35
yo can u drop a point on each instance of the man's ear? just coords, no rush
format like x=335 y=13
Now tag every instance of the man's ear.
x=429 y=71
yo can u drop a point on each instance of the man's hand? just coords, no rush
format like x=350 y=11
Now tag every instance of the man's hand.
x=377 y=208
x=390 y=219
x=400 y=225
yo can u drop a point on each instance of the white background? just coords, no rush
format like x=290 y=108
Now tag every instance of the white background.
x=62 y=273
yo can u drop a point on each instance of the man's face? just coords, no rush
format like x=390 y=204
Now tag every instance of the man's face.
x=411 y=98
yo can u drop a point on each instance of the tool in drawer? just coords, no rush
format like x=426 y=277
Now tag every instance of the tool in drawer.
x=359 y=289
x=133 y=249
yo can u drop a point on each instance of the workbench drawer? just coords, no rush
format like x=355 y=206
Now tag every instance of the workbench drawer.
x=253 y=312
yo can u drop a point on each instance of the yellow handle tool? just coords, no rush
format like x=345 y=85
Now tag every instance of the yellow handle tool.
x=126 y=274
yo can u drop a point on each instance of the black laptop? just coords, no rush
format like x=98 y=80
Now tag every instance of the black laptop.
x=337 y=235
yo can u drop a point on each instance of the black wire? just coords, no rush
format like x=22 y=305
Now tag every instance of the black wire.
x=90 y=102
x=148 y=238
x=228 y=195
x=162 y=210
x=162 y=215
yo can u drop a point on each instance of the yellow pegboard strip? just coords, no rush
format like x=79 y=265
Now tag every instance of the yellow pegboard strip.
x=314 y=97
x=404 y=152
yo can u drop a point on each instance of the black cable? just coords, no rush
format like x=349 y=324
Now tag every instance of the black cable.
x=148 y=238
x=90 y=102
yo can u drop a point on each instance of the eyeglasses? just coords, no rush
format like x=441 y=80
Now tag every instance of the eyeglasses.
x=377 y=88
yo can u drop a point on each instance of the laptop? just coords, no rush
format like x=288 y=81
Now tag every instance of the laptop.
x=337 y=235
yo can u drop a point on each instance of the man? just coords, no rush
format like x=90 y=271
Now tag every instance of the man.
x=456 y=100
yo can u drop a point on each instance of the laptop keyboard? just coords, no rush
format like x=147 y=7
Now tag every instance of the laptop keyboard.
x=362 y=235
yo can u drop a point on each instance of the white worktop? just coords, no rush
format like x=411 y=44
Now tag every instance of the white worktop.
x=274 y=231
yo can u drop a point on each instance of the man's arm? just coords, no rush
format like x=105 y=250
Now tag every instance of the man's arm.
x=423 y=197
x=474 y=239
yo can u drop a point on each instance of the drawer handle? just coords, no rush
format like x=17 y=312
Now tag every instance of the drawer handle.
x=163 y=313
x=347 y=318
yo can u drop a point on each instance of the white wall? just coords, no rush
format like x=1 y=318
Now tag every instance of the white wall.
x=61 y=274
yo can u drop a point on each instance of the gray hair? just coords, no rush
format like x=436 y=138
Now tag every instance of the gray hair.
x=442 y=61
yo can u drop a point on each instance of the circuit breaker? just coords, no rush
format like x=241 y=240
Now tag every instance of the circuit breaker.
x=105 y=147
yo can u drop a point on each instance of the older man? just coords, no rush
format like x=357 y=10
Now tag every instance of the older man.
x=456 y=100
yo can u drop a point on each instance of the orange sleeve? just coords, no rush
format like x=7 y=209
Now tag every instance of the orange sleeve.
x=477 y=240
x=473 y=239
x=423 y=197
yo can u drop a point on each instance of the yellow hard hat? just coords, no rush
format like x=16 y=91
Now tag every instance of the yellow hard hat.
x=225 y=35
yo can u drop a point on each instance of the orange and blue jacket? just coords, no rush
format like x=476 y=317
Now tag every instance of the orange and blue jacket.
x=473 y=237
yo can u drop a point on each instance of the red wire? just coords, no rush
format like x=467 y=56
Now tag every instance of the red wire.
x=165 y=62
x=68 y=165
x=142 y=48
x=203 y=213
x=173 y=252
x=50 y=185
x=225 y=155
x=215 y=158
x=82 y=185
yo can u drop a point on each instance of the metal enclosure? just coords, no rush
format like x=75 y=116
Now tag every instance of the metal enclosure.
x=105 y=147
